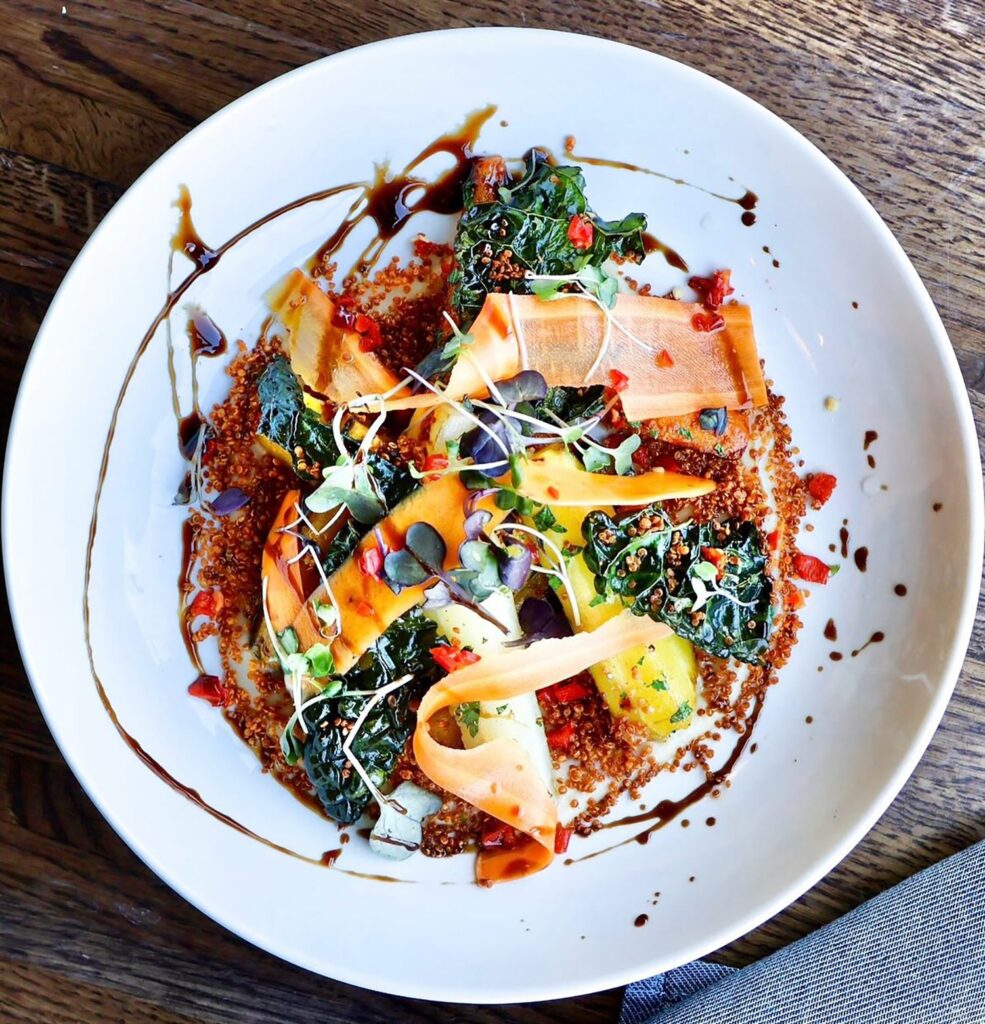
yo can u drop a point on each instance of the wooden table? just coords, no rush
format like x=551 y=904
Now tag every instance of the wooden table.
x=92 y=92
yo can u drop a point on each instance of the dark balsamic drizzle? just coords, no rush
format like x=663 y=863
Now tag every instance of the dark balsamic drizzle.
x=877 y=638
x=862 y=558
x=641 y=920
x=666 y=810
x=204 y=258
x=747 y=201
x=831 y=631
x=900 y=590
x=390 y=202
x=674 y=258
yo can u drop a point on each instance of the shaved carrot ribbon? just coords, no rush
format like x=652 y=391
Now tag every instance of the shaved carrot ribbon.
x=500 y=777
x=553 y=482
x=671 y=368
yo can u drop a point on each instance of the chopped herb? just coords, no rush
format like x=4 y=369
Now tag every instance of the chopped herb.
x=681 y=714
x=468 y=715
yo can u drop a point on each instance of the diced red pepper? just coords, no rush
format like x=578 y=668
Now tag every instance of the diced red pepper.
x=497 y=834
x=553 y=492
x=618 y=381
x=369 y=330
x=821 y=486
x=707 y=323
x=717 y=558
x=210 y=688
x=811 y=569
x=664 y=359
x=564 y=693
x=435 y=462
x=562 y=836
x=208 y=603
x=581 y=231
x=365 y=609
x=795 y=601
x=453 y=658
x=345 y=312
x=713 y=290
x=773 y=539
x=560 y=739
x=370 y=562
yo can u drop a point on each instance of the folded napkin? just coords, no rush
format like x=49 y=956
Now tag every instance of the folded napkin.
x=913 y=955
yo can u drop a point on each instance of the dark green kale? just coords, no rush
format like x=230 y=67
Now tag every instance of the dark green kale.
x=403 y=649
x=571 y=404
x=526 y=229
x=707 y=581
x=287 y=422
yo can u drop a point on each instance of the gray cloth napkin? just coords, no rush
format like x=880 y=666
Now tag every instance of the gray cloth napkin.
x=913 y=955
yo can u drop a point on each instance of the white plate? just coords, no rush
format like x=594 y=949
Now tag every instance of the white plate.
x=810 y=792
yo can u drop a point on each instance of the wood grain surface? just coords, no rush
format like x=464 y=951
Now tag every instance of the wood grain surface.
x=92 y=92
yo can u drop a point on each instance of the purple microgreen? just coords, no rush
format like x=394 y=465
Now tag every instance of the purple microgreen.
x=515 y=561
x=402 y=569
x=476 y=522
x=229 y=501
x=715 y=420
x=475 y=497
x=427 y=546
x=540 y=620
x=526 y=386
x=485 y=445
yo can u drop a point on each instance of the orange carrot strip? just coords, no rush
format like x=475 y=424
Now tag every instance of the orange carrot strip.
x=331 y=360
x=499 y=777
x=561 y=339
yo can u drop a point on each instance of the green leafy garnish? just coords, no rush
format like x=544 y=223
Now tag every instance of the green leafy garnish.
x=468 y=715
x=682 y=713
x=660 y=572
x=526 y=231
x=403 y=649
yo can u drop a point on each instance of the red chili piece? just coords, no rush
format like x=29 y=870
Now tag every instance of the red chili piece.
x=453 y=658
x=370 y=562
x=713 y=290
x=562 y=836
x=207 y=602
x=435 y=462
x=707 y=323
x=365 y=609
x=553 y=492
x=210 y=688
x=717 y=558
x=369 y=330
x=811 y=569
x=821 y=486
x=560 y=739
x=618 y=381
x=564 y=693
x=665 y=360
x=581 y=231
x=498 y=834
x=773 y=539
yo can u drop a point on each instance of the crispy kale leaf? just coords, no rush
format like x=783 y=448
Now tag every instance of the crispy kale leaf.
x=288 y=423
x=529 y=222
x=670 y=573
x=404 y=648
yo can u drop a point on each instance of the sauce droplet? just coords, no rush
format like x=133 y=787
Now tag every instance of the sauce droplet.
x=877 y=638
x=862 y=558
x=653 y=244
x=836 y=655
x=809 y=719
x=748 y=218
x=900 y=590
x=937 y=506
x=831 y=631
x=870 y=437
x=710 y=822
x=205 y=337
x=641 y=920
